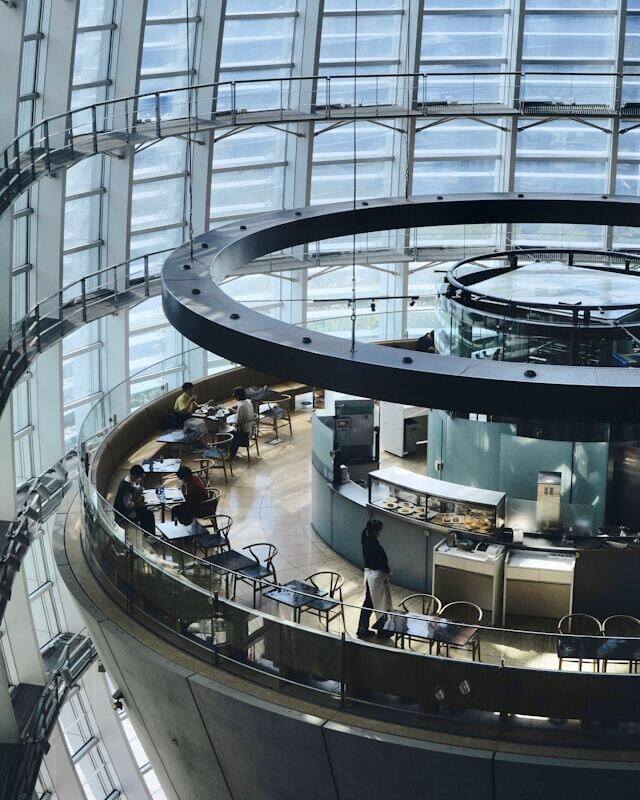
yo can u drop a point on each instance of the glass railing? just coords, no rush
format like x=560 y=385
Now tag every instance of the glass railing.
x=441 y=672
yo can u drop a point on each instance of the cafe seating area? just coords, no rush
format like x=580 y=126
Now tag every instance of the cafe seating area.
x=258 y=539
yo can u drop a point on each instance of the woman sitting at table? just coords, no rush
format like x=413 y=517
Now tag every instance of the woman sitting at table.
x=195 y=503
x=376 y=582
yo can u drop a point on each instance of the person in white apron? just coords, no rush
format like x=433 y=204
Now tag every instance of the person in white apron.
x=376 y=582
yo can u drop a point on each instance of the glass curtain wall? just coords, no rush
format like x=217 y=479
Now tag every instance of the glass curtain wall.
x=159 y=210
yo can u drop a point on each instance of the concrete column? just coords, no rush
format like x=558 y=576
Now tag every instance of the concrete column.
x=130 y=781
x=22 y=634
x=299 y=152
x=207 y=65
x=63 y=775
x=8 y=728
x=11 y=27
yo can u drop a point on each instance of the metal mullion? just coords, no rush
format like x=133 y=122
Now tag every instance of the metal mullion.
x=243 y=167
x=369 y=12
x=170 y=176
x=94 y=397
x=89 y=193
x=257 y=65
x=88 y=246
x=241 y=15
x=158 y=228
x=617 y=103
x=80 y=351
x=172 y=21
x=105 y=26
x=77 y=87
x=511 y=140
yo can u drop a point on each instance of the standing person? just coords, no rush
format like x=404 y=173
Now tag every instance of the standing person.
x=186 y=402
x=129 y=502
x=376 y=582
x=245 y=420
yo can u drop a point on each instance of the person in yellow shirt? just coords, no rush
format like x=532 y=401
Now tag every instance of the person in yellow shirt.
x=186 y=402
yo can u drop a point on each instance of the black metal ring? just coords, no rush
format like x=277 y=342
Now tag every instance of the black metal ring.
x=460 y=384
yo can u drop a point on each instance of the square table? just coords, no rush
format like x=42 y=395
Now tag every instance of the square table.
x=287 y=594
x=230 y=561
x=176 y=530
x=431 y=629
x=172 y=496
x=161 y=467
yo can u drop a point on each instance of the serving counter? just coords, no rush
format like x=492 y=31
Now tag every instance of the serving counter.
x=602 y=580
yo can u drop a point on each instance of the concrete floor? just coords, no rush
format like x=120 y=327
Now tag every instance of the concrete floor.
x=269 y=501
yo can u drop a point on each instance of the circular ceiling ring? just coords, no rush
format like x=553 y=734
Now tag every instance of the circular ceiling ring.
x=224 y=326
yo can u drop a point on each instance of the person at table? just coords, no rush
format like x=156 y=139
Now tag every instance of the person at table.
x=194 y=490
x=129 y=502
x=245 y=420
x=186 y=402
x=376 y=582
x=426 y=343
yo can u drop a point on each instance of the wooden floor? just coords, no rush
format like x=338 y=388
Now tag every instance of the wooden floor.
x=269 y=500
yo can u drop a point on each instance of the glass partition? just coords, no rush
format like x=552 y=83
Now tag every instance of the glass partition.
x=442 y=673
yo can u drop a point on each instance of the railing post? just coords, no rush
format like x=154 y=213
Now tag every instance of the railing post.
x=126 y=119
x=33 y=155
x=70 y=138
x=327 y=96
x=83 y=294
x=47 y=145
x=146 y=276
x=37 y=320
x=234 y=111
x=94 y=128
x=157 y=103
x=115 y=287
x=343 y=663
x=23 y=328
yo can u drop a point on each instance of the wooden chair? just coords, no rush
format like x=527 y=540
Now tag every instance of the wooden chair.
x=263 y=554
x=217 y=537
x=278 y=409
x=463 y=613
x=252 y=442
x=621 y=626
x=577 y=625
x=216 y=455
x=330 y=607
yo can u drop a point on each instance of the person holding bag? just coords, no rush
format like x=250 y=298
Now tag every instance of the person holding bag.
x=376 y=583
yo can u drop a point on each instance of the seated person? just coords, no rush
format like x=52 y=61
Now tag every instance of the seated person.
x=245 y=420
x=195 y=503
x=129 y=502
x=426 y=343
x=186 y=402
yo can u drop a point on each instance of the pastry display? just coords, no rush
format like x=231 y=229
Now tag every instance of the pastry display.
x=459 y=514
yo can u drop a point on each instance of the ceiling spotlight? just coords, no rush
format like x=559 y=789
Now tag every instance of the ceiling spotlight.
x=373 y=305
x=412 y=302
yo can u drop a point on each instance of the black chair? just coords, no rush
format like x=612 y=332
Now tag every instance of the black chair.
x=424 y=604
x=216 y=455
x=217 y=536
x=463 y=613
x=332 y=583
x=622 y=626
x=576 y=625
x=263 y=554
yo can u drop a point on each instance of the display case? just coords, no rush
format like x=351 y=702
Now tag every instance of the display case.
x=438 y=504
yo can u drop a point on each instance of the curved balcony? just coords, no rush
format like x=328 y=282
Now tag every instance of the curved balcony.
x=512 y=675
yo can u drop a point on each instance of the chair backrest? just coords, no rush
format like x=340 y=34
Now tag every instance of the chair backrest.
x=331 y=582
x=222 y=523
x=621 y=625
x=262 y=552
x=213 y=498
x=463 y=612
x=580 y=625
x=421 y=604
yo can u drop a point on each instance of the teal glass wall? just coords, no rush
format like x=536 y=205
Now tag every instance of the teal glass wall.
x=490 y=455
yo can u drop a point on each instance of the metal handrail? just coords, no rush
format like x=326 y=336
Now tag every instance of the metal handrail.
x=458 y=282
